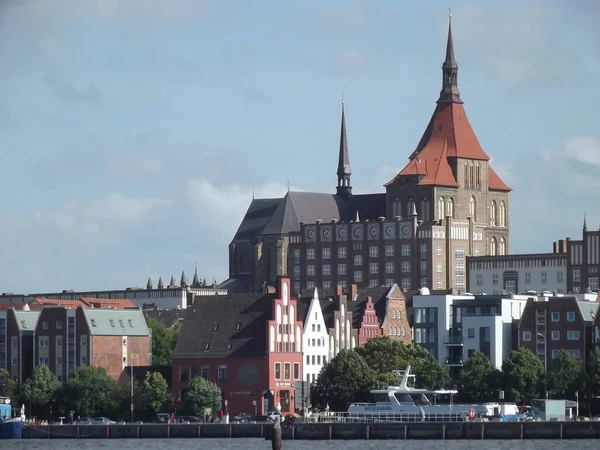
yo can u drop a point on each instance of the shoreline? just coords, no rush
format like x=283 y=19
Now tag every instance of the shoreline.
x=327 y=431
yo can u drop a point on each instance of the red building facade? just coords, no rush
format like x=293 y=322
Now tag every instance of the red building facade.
x=250 y=345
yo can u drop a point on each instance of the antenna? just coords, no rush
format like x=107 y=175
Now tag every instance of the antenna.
x=450 y=13
x=252 y=192
x=288 y=185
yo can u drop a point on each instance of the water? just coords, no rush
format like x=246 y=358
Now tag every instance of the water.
x=260 y=444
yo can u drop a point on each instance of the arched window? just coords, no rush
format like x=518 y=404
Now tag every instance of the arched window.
x=358 y=260
x=397 y=207
x=425 y=210
x=441 y=208
x=502 y=218
x=451 y=207
x=467 y=176
x=471 y=175
x=478 y=176
x=493 y=246
x=473 y=208
x=493 y=213
x=410 y=203
x=502 y=246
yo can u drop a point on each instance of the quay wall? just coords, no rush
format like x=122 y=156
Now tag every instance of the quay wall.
x=326 y=431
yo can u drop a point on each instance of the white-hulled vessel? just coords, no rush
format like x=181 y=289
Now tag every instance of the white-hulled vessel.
x=405 y=403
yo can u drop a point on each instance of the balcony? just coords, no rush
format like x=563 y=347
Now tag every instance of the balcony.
x=453 y=340
x=454 y=361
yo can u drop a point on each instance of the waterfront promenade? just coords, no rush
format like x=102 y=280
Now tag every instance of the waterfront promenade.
x=327 y=431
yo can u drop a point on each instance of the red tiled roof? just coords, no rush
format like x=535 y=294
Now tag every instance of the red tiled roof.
x=73 y=304
x=448 y=135
x=117 y=303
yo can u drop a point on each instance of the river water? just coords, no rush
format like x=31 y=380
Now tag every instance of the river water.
x=260 y=444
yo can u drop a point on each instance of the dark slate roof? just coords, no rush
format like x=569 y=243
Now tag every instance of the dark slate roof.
x=257 y=217
x=223 y=313
x=588 y=310
x=237 y=284
x=167 y=317
x=283 y=215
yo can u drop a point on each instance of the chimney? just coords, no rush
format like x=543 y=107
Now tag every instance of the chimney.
x=353 y=291
x=339 y=290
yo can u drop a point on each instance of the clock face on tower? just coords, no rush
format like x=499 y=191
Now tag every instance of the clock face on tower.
x=326 y=233
x=342 y=232
x=389 y=230
x=405 y=230
x=357 y=232
x=310 y=234
x=373 y=231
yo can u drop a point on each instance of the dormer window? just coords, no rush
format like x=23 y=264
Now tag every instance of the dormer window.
x=24 y=324
x=122 y=323
x=230 y=346
x=238 y=326
x=131 y=323
x=112 y=323
x=217 y=327
x=207 y=346
x=93 y=322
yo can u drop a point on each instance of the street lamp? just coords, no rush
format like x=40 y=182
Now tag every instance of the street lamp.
x=543 y=336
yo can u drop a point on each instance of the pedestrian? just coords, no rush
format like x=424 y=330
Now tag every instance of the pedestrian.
x=71 y=417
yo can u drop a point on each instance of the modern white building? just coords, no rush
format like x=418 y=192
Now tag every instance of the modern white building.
x=517 y=274
x=452 y=327
x=315 y=340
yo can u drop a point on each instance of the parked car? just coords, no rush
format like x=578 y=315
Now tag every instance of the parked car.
x=243 y=417
x=188 y=419
x=102 y=421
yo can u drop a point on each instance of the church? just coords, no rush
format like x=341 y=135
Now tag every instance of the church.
x=447 y=203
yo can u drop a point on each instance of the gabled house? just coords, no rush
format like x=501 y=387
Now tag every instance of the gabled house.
x=394 y=320
x=250 y=345
x=315 y=338
x=20 y=327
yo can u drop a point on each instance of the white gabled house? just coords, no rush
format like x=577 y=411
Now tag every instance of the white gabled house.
x=315 y=340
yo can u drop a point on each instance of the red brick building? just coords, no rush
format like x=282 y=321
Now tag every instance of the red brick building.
x=250 y=345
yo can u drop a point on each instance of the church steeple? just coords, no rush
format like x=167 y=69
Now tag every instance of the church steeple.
x=344 y=188
x=450 y=93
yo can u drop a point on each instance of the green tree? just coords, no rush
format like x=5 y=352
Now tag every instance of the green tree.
x=156 y=391
x=91 y=392
x=592 y=380
x=164 y=340
x=429 y=373
x=202 y=394
x=566 y=376
x=8 y=387
x=522 y=374
x=345 y=379
x=477 y=379
x=40 y=391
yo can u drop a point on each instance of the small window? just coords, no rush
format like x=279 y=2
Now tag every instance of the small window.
x=23 y=324
x=471 y=332
x=112 y=323
x=571 y=316
x=555 y=316
x=207 y=346
x=229 y=346
x=555 y=335
x=238 y=326
x=93 y=322
x=131 y=323
x=58 y=325
x=527 y=335
x=46 y=325
x=217 y=327
x=121 y=323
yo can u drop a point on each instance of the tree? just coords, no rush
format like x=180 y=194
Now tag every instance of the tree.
x=477 y=379
x=592 y=379
x=156 y=391
x=345 y=379
x=40 y=391
x=91 y=392
x=163 y=341
x=429 y=373
x=566 y=376
x=203 y=394
x=522 y=374
x=8 y=387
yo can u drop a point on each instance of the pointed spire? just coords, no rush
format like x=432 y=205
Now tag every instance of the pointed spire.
x=149 y=283
x=584 y=222
x=413 y=212
x=183 y=281
x=196 y=280
x=316 y=294
x=161 y=285
x=344 y=188
x=450 y=93
x=357 y=216
x=172 y=282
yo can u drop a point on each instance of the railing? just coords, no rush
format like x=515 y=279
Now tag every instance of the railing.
x=454 y=361
x=356 y=417
x=449 y=340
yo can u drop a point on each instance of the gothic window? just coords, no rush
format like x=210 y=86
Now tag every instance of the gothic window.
x=473 y=209
x=478 y=176
x=493 y=213
x=397 y=207
x=441 y=208
x=502 y=246
x=425 y=210
x=502 y=218
x=409 y=206
x=471 y=175
x=467 y=185
x=451 y=207
x=493 y=246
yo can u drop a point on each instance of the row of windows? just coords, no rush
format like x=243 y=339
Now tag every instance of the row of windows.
x=496 y=279
x=286 y=371
x=424 y=212
x=316 y=342
x=315 y=359
x=472 y=175
x=497 y=215
x=188 y=372
x=494 y=249
x=572 y=335
x=44 y=341
x=342 y=253
x=592 y=281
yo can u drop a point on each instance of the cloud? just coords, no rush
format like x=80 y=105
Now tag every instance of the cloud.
x=66 y=91
x=223 y=208
x=94 y=219
x=584 y=149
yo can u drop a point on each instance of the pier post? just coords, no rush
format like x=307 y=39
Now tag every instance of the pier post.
x=276 y=441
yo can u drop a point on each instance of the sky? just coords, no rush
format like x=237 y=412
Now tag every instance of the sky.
x=133 y=132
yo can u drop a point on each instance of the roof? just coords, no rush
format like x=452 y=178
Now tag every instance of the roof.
x=225 y=325
x=69 y=304
x=167 y=317
x=588 y=310
x=237 y=284
x=116 y=303
x=27 y=320
x=116 y=322
x=257 y=217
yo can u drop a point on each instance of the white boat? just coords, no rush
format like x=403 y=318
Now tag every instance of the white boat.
x=405 y=403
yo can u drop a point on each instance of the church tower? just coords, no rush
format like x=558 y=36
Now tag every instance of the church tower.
x=344 y=187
